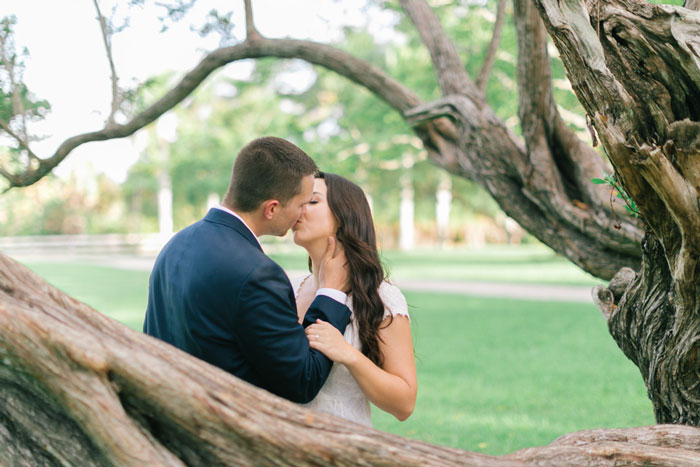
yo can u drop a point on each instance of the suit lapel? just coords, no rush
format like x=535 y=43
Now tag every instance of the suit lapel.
x=217 y=216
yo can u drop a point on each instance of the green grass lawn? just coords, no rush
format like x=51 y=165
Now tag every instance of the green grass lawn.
x=500 y=375
x=513 y=264
x=120 y=294
x=494 y=375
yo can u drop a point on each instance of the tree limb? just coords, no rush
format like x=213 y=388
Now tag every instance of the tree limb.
x=692 y=4
x=449 y=68
x=650 y=445
x=251 y=32
x=537 y=110
x=106 y=39
x=560 y=166
x=681 y=201
x=489 y=154
x=5 y=126
x=680 y=198
x=145 y=402
x=490 y=58
x=359 y=71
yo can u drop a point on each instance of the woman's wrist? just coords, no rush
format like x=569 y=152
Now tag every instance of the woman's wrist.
x=352 y=357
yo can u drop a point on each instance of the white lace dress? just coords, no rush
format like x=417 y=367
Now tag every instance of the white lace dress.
x=341 y=395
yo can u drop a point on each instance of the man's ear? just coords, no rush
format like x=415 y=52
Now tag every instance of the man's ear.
x=270 y=208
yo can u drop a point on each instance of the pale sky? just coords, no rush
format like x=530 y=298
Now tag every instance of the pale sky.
x=68 y=67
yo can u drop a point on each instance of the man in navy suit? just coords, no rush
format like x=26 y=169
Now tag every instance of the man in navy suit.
x=214 y=294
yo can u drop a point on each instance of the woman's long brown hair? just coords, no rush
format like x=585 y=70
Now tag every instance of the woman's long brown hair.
x=356 y=233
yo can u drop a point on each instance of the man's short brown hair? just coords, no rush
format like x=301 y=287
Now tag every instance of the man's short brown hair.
x=267 y=168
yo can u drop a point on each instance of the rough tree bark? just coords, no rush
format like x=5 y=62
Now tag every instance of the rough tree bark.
x=77 y=388
x=636 y=70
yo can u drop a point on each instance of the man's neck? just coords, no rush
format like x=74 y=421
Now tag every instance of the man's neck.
x=248 y=218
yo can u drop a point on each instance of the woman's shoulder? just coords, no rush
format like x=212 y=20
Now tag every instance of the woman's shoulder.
x=394 y=301
x=296 y=280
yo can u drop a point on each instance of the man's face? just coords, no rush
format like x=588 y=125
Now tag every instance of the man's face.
x=289 y=214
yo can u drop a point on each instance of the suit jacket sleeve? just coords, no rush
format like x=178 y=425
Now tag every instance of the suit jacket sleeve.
x=272 y=340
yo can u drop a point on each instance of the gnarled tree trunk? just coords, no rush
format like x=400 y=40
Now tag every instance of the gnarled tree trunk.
x=636 y=69
x=77 y=388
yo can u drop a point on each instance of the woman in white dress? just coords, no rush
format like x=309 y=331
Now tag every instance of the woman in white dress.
x=374 y=358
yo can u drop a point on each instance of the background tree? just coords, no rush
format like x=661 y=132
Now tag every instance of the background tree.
x=546 y=188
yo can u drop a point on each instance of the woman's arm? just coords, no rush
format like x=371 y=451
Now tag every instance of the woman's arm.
x=393 y=387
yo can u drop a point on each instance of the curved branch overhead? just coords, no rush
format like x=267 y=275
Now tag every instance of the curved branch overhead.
x=359 y=71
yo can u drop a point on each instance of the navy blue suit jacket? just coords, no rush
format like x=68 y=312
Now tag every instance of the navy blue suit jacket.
x=214 y=294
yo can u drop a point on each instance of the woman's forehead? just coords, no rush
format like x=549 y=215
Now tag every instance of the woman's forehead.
x=320 y=186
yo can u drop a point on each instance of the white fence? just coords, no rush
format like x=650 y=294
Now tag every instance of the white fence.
x=130 y=244
x=107 y=244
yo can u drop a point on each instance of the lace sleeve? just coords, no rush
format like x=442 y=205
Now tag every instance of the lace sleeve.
x=394 y=301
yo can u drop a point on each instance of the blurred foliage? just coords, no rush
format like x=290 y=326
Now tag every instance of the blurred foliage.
x=18 y=106
x=85 y=203
x=344 y=127
x=16 y=101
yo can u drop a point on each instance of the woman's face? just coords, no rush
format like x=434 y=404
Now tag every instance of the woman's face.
x=317 y=221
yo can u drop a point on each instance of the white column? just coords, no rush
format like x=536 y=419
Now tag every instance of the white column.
x=212 y=200
x=165 y=203
x=166 y=131
x=361 y=176
x=370 y=201
x=442 y=208
x=406 y=212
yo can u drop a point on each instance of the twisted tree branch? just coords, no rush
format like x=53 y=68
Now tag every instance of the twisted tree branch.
x=490 y=58
x=560 y=166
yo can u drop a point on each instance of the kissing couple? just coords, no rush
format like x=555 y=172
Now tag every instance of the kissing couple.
x=334 y=340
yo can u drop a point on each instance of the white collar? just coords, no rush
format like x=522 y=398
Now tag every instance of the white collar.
x=225 y=209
